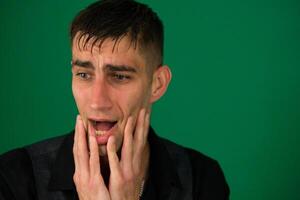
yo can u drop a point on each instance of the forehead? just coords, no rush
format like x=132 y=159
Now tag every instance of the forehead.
x=121 y=50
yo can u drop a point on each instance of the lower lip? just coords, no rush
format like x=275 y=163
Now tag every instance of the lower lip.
x=103 y=139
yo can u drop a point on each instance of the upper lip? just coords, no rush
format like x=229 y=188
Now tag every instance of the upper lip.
x=101 y=120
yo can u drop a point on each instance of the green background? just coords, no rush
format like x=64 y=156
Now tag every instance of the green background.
x=235 y=93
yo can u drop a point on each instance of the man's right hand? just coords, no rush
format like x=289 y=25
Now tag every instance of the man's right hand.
x=87 y=177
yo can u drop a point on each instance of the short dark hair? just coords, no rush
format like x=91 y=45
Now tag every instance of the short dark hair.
x=116 y=19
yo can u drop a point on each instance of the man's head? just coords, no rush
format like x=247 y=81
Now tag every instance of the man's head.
x=117 y=48
x=116 y=19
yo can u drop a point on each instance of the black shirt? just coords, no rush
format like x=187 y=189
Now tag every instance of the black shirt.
x=21 y=179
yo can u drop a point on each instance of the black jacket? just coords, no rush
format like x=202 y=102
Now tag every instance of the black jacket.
x=45 y=171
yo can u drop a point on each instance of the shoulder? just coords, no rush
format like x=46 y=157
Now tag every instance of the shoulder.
x=45 y=148
x=17 y=167
x=13 y=157
x=208 y=178
x=16 y=175
x=195 y=157
x=16 y=158
x=13 y=161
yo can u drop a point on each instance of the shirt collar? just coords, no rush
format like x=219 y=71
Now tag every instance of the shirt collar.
x=162 y=172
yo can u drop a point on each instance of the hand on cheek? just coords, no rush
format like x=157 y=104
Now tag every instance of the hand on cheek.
x=126 y=174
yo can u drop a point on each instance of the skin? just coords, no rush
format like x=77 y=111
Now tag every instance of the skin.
x=116 y=85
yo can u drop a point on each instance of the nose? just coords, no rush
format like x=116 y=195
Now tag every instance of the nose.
x=100 y=96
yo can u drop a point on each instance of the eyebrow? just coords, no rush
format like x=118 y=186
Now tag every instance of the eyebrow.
x=84 y=64
x=109 y=67
x=120 y=68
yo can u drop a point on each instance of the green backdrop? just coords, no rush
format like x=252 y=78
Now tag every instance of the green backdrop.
x=235 y=93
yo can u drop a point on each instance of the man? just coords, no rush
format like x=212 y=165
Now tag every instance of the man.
x=117 y=74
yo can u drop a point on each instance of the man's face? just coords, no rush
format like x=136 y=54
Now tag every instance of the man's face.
x=109 y=85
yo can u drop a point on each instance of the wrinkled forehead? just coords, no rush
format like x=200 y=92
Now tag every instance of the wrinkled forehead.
x=85 y=42
x=146 y=56
x=108 y=51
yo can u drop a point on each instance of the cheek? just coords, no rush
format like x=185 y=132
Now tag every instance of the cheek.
x=132 y=102
x=79 y=96
x=76 y=94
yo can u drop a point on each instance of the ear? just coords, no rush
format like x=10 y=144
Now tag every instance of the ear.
x=161 y=79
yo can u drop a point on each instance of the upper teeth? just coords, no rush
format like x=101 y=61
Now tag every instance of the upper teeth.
x=99 y=132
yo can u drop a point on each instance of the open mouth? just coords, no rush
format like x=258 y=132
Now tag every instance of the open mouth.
x=102 y=127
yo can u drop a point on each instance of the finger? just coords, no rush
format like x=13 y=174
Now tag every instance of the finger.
x=75 y=144
x=82 y=149
x=140 y=143
x=140 y=130
x=146 y=127
x=113 y=159
x=127 y=148
x=94 y=161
